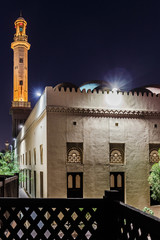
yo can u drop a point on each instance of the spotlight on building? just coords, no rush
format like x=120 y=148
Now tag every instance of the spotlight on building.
x=114 y=89
x=6 y=146
x=38 y=94
x=20 y=126
x=114 y=98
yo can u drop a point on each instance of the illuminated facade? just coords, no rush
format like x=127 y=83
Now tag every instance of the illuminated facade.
x=20 y=106
x=90 y=141
x=78 y=142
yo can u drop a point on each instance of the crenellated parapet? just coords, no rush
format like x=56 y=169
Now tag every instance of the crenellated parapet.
x=104 y=99
x=100 y=91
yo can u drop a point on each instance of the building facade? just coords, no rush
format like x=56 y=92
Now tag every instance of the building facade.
x=78 y=144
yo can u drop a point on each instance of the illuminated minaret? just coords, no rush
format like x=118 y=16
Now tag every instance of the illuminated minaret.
x=20 y=106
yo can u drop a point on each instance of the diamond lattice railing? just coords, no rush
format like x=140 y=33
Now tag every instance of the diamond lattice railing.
x=133 y=224
x=51 y=218
x=70 y=219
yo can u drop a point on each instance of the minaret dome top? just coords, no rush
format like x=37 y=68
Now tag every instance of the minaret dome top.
x=20 y=37
x=20 y=20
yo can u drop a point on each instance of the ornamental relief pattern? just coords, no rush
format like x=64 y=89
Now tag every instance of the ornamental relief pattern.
x=153 y=156
x=153 y=152
x=74 y=152
x=74 y=156
x=116 y=156
x=104 y=112
x=117 y=153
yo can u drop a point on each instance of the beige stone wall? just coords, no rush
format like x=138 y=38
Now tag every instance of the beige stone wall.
x=32 y=135
x=96 y=133
x=110 y=100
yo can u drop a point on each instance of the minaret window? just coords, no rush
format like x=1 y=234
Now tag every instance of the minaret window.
x=21 y=60
x=21 y=82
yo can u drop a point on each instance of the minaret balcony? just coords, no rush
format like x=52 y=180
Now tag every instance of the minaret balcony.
x=21 y=104
x=20 y=38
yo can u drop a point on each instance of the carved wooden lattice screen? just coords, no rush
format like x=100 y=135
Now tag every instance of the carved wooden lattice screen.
x=51 y=219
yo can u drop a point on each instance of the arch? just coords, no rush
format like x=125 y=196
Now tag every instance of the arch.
x=119 y=180
x=70 y=181
x=112 y=181
x=78 y=181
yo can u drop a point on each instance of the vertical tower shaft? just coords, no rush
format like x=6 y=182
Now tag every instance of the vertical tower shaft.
x=20 y=106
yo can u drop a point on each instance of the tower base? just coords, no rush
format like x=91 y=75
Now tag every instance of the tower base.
x=20 y=112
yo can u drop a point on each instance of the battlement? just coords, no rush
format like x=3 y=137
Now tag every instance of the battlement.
x=74 y=97
x=94 y=104
x=99 y=91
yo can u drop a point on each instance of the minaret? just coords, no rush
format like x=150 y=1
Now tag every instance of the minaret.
x=21 y=108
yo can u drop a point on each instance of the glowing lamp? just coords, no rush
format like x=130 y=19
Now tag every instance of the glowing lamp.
x=114 y=90
x=38 y=94
x=21 y=126
x=7 y=144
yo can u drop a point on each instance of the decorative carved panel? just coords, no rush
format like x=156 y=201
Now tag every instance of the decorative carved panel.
x=153 y=153
x=116 y=156
x=153 y=156
x=74 y=152
x=74 y=155
x=105 y=112
x=117 y=153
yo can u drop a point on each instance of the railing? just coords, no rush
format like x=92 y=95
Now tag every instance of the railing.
x=20 y=38
x=134 y=224
x=80 y=219
x=9 y=186
x=51 y=218
x=21 y=104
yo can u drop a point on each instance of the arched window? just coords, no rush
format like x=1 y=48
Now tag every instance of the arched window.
x=119 y=180
x=70 y=181
x=78 y=181
x=112 y=183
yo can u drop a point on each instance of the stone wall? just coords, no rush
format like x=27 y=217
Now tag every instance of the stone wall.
x=62 y=117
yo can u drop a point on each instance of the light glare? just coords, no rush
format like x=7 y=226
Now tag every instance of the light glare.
x=21 y=126
x=114 y=99
x=38 y=94
x=114 y=89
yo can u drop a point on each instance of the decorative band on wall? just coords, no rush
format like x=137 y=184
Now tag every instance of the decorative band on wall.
x=104 y=112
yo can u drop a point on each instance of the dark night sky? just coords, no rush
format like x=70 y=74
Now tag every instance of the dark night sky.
x=78 y=41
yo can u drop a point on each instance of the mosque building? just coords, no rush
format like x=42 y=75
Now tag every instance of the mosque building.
x=78 y=142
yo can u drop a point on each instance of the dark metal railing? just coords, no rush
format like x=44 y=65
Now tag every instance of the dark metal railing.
x=80 y=219
x=51 y=218
x=129 y=223
x=135 y=224
x=9 y=185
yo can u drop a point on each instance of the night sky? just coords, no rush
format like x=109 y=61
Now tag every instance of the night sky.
x=79 y=41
